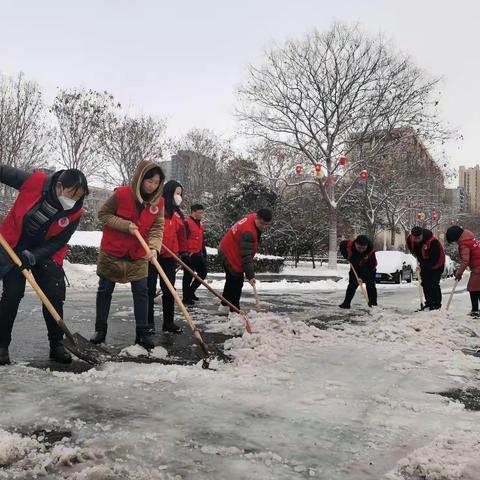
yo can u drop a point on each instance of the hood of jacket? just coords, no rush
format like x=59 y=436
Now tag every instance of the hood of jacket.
x=142 y=168
x=466 y=235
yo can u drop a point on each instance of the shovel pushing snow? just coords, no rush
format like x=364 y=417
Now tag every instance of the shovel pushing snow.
x=420 y=289
x=361 y=285
x=207 y=352
x=209 y=288
x=75 y=343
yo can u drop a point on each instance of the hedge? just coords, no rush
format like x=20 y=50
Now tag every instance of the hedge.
x=88 y=256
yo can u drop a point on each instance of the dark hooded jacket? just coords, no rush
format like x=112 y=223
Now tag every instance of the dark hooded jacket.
x=363 y=262
x=124 y=270
x=48 y=209
x=434 y=251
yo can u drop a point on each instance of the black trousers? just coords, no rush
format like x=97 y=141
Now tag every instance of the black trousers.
x=232 y=291
x=169 y=266
x=104 y=301
x=369 y=280
x=190 y=284
x=474 y=297
x=51 y=279
x=431 y=287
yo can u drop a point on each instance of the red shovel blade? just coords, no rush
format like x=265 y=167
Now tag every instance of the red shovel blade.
x=248 y=327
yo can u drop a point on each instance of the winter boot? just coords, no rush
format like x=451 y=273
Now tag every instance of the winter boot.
x=195 y=297
x=172 y=328
x=189 y=301
x=59 y=354
x=4 y=357
x=98 y=337
x=151 y=329
x=475 y=314
x=146 y=341
x=344 y=305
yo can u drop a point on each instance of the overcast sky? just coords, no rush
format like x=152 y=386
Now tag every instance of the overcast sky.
x=182 y=60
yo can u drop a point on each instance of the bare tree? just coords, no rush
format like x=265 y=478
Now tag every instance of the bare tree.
x=331 y=91
x=23 y=129
x=206 y=159
x=126 y=141
x=81 y=118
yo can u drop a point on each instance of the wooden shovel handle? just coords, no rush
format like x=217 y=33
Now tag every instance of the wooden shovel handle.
x=174 y=293
x=257 y=298
x=31 y=280
x=451 y=295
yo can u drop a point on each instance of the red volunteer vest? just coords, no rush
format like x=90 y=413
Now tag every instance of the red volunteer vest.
x=230 y=244
x=120 y=244
x=474 y=246
x=195 y=239
x=29 y=195
x=425 y=250
x=174 y=235
x=365 y=259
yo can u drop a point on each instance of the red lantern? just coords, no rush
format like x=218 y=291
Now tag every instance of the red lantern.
x=434 y=218
x=434 y=209
x=363 y=174
x=342 y=161
x=318 y=170
x=298 y=169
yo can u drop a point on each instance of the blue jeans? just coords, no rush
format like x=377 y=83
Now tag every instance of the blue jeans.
x=140 y=304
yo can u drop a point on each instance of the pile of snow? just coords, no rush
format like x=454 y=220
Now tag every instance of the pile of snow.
x=138 y=351
x=86 y=239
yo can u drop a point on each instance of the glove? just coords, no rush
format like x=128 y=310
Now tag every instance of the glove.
x=28 y=260
x=252 y=281
x=153 y=254
x=458 y=276
x=185 y=258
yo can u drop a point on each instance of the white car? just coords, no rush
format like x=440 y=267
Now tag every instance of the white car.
x=394 y=267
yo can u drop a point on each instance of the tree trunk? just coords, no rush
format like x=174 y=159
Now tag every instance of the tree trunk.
x=313 y=258
x=332 y=239
x=392 y=237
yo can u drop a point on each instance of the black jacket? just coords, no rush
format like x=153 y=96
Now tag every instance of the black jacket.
x=434 y=250
x=365 y=262
x=41 y=248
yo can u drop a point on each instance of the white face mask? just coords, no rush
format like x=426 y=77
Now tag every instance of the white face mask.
x=177 y=199
x=67 y=203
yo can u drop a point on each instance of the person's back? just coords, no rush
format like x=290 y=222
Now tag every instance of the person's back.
x=237 y=250
x=38 y=227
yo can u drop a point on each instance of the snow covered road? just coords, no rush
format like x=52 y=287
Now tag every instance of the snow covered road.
x=314 y=393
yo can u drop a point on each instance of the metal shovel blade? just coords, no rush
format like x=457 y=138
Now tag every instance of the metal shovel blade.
x=86 y=351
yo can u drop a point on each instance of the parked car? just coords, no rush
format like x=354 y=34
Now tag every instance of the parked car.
x=394 y=267
x=450 y=267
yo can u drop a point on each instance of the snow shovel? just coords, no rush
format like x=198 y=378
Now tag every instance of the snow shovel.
x=360 y=284
x=75 y=343
x=248 y=328
x=420 y=289
x=451 y=295
x=207 y=352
